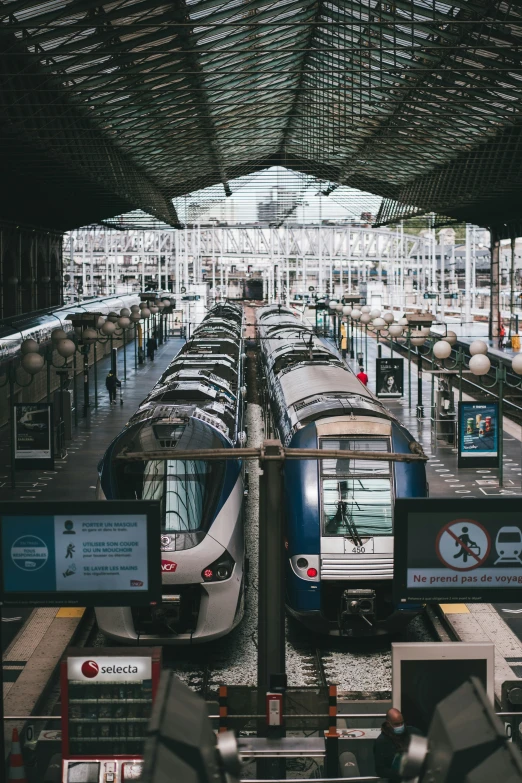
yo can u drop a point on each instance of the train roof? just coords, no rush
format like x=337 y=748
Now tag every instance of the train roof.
x=202 y=380
x=308 y=379
x=38 y=326
x=312 y=379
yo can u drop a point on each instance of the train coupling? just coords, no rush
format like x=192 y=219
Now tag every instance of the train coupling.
x=359 y=602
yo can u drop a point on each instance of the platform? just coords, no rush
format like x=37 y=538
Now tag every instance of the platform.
x=31 y=656
x=498 y=623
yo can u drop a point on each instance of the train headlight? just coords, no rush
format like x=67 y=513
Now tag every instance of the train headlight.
x=220 y=569
x=302 y=562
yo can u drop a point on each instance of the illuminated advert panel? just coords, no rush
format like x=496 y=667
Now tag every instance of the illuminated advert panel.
x=99 y=553
x=458 y=550
x=478 y=434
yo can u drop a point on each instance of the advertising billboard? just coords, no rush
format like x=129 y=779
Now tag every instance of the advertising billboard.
x=389 y=375
x=478 y=434
x=80 y=554
x=33 y=435
x=458 y=550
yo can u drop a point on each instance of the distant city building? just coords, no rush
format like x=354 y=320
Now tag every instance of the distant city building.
x=281 y=204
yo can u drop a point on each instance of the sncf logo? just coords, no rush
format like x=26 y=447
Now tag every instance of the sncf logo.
x=90 y=669
x=168 y=567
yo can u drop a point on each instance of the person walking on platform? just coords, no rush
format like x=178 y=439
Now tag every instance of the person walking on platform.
x=344 y=341
x=391 y=744
x=501 y=335
x=112 y=383
x=152 y=347
x=362 y=376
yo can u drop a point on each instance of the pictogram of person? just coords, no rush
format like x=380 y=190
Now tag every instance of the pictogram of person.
x=465 y=541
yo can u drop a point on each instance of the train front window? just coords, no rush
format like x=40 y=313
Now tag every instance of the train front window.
x=188 y=490
x=356 y=493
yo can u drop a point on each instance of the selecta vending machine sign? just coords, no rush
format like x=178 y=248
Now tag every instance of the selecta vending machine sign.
x=103 y=669
x=106 y=706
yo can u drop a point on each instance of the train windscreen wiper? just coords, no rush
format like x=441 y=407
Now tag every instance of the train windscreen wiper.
x=350 y=524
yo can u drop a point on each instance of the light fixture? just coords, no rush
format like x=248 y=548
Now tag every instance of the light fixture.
x=450 y=338
x=478 y=347
x=29 y=346
x=479 y=364
x=32 y=363
x=66 y=348
x=442 y=349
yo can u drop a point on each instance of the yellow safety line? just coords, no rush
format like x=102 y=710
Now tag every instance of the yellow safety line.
x=454 y=608
x=70 y=611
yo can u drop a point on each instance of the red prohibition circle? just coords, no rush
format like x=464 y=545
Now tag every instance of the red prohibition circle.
x=458 y=522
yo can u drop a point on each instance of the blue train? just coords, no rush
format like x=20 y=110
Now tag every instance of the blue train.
x=339 y=512
x=196 y=404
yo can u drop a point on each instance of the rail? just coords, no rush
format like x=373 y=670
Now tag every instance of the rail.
x=262 y=454
x=316 y=780
x=341 y=715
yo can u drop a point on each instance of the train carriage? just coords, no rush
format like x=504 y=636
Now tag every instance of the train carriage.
x=196 y=404
x=339 y=512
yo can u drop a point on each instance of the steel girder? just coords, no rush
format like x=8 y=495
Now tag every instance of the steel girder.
x=390 y=97
x=56 y=166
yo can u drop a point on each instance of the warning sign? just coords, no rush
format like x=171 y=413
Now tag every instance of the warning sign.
x=463 y=545
x=458 y=549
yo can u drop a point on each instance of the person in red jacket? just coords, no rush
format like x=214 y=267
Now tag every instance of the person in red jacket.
x=362 y=376
x=501 y=335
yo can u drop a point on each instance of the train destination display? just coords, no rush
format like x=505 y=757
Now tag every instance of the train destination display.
x=66 y=553
x=458 y=549
x=33 y=436
x=389 y=377
x=478 y=434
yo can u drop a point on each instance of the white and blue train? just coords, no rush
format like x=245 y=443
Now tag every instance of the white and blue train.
x=196 y=404
x=338 y=512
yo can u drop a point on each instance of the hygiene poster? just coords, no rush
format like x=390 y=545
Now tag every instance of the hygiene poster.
x=53 y=555
x=390 y=377
x=458 y=550
x=478 y=434
x=33 y=435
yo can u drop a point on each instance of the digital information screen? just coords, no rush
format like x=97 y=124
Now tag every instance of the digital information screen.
x=478 y=434
x=458 y=550
x=101 y=553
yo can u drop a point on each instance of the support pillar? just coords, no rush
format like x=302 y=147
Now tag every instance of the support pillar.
x=467 y=280
x=512 y=286
x=271 y=663
x=494 y=312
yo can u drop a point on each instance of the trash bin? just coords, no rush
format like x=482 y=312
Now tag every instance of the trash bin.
x=515 y=342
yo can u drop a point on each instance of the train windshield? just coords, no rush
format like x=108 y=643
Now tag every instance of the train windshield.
x=188 y=490
x=356 y=493
x=509 y=538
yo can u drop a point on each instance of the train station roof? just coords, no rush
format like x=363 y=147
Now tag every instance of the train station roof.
x=110 y=106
